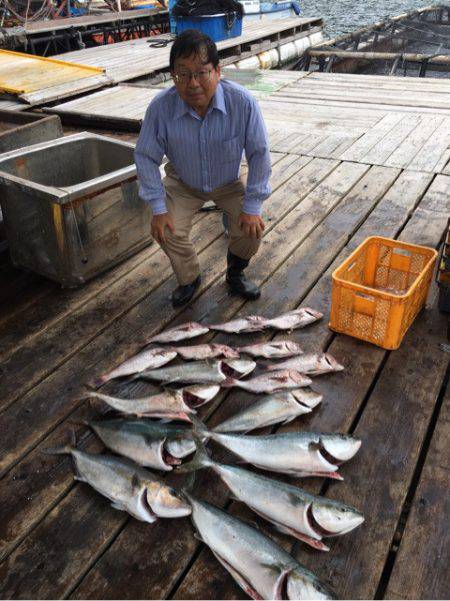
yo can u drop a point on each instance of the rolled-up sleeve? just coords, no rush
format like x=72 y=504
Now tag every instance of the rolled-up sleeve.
x=150 y=149
x=258 y=159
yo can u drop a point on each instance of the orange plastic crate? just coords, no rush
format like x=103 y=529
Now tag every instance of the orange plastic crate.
x=379 y=289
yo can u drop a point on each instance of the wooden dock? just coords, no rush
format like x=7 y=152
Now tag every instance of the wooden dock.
x=61 y=539
x=131 y=59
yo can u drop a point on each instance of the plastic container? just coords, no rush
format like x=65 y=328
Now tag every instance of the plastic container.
x=218 y=27
x=379 y=289
x=71 y=206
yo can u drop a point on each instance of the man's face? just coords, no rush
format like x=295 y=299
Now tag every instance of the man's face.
x=197 y=91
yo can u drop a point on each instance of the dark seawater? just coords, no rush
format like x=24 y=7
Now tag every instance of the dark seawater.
x=343 y=16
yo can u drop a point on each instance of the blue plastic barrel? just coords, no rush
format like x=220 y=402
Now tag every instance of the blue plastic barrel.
x=218 y=27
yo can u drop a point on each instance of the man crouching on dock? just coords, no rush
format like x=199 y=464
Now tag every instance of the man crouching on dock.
x=203 y=125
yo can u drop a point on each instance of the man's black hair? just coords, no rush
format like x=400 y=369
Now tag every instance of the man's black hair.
x=191 y=42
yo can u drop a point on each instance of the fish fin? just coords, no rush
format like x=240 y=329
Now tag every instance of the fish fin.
x=200 y=461
x=79 y=478
x=118 y=506
x=199 y=428
x=189 y=483
x=198 y=537
x=63 y=450
x=289 y=420
x=228 y=383
x=244 y=584
x=135 y=481
x=312 y=542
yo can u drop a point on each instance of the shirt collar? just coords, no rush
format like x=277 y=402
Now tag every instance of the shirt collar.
x=218 y=102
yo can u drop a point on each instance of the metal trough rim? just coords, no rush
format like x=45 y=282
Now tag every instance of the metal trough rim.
x=64 y=194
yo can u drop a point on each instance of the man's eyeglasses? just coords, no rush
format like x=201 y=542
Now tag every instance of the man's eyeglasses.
x=185 y=77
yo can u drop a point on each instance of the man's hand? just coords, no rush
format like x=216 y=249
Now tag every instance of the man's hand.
x=159 y=224
x=252 y=225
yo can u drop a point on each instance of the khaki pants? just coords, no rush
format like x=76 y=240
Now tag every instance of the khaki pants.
x=182 y=204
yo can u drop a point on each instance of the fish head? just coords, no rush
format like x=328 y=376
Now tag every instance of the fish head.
x=335 y=518
x=293 y=347
x=196 y=396
x=226 y=351
x=331 y=363
x=179 y=447
x=297 y=377
x=303 y=584
x=307 y=396
x=237 y=368
x=340 y=447
x=166 y=502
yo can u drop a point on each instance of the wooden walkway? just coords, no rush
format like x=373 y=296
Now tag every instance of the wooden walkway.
x=61 y=539
x=374 y=120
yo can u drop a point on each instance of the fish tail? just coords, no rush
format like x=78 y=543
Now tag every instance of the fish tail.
x=200 y=431
x=63 y=450
x=200 y=461
x=228 y=383
x=98 y=381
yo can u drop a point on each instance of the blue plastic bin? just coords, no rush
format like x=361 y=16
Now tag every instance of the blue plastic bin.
x=216 y=26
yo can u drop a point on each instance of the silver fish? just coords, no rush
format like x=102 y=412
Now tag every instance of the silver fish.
x=312 y=364
x=148 y=359
x=299 y=318
x=272 y=350
x=169 y=404
x=307 y=517
x=206 y=351
x=270 y=382
x=272 y=409
x=260 y=567
x=182 y=332
x=129 y=487
x=148 y=443
x=201 y=372
x=250 y=323
x=299 y=454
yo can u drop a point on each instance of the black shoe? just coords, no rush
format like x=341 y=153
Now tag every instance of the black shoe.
x=183 y=294
x=236 y=280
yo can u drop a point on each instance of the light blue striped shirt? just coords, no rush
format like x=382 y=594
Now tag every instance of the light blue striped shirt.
x=205 y=153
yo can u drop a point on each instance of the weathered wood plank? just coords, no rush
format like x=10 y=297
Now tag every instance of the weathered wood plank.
x=421 y=565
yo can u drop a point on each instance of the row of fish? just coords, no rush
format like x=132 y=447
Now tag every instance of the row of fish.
x=262 y=568
x=153 y=358
x=282 y=407
x=162 y=445
x=259 y=566
x=291 y=320
x=224 y=371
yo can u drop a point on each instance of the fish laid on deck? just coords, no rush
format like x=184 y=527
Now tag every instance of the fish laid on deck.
x=292 y=510
x=151 y=444
x=312 y=364
x=270 y=382
x=298 y=318
x=260 y=567
x=182 y=332
x=148 y=359
x=128 y=486
x=206 y=351
x=200 y=372
x=272 y=350
x=299 y=454
x=272 y=409
x=170 y=404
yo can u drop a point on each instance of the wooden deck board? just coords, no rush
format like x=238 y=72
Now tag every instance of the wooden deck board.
x=421 y=566
x=59 y=538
